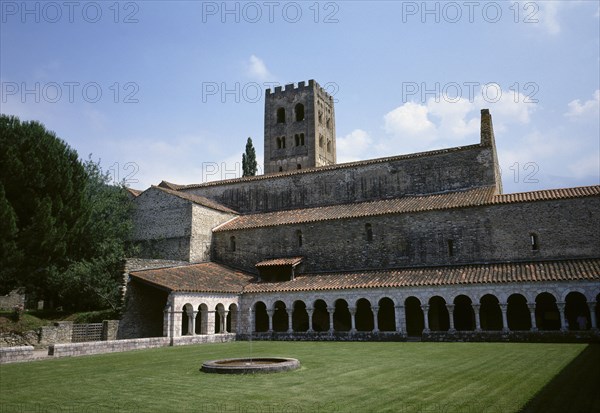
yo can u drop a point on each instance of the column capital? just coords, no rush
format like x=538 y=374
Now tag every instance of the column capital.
x=450 y=307
x=561 y=305
x=475 y=306
x=531 y=306
x=352 y=310
x=425 y=307
x=503 y=306
x=270 y=312
x=374 y=308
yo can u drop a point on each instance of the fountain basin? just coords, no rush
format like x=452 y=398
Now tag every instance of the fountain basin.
x=250 y=365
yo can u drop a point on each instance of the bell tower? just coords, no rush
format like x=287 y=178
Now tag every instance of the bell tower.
x=299 y=128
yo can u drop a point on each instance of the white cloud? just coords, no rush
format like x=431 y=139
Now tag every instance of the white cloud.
x=589 y=108
x=257 y=69
x=586 y=166
x=547 y=16
x=353 y=146
x=409 y=119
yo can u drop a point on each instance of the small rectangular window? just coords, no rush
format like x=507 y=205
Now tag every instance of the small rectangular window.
x=451 y=248
x=535 y=246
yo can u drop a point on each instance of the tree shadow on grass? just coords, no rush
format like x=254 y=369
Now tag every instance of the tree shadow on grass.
x=574 y=389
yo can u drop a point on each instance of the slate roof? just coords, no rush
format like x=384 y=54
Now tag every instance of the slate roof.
x=293 y=261
x=448 y=200
x=564 y=270
x=213 y=277
x=207 y=277
x=197 y=199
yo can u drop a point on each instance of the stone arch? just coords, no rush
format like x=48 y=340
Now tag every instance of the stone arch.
x=439 y=319
x=464 y=317
x=341 y=316
x=220 y=326
x=320 y=318
x=261 y=318
x=299 y=317
x=386 y=315
x=546 y=312
x=414 y=316
x=577 y=313
x=280 y=316
x=232 y=317
x=364 y=315
x=517 y=313
x=299 y=112
x=186 y=320
x=202 y=319
x=490 y=314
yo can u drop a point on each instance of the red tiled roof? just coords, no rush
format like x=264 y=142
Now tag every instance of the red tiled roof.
x=325 y=168
x=197 y=199
x=448 y=200
x=170 y=185
x=213 y=277
x=543 y=271
x=204 y=277
x=293 y=261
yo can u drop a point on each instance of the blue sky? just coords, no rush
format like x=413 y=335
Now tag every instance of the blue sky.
x=171 y=90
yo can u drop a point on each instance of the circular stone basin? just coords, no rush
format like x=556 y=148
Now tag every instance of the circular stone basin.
x=250 y=365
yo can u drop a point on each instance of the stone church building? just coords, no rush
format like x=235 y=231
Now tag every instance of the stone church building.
x=420 y=245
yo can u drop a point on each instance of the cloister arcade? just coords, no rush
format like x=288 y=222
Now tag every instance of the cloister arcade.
x=398 y=311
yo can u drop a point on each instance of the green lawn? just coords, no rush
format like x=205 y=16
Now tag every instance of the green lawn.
x=338 y=377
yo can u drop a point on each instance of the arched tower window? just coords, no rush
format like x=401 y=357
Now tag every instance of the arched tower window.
x=329 y=146
x=281 y=115
x=369 y=232
x=232 y=243
x=299 y=237
x=301 y=139
x=299 y=109
x=297 y=138
x=535 y=244
x=283 y=142
x=328 y=123
x=321 y=141
x=278 y=143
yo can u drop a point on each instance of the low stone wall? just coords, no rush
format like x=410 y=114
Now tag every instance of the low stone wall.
x=14 y=354
x=205 y=338
x=588 y=336
x=60 y=332
x=112 y=346
x=325 y=336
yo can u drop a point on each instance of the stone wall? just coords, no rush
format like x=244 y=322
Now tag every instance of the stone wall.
x=437 y=171
x=28 y=338
x=14 y=354
x=11 y=300
x=99 y=347
x=565 y=229
x=203 y=221
x=588 y=336
x=162 y=225
x=143 y=313
x=60 y=332
x=202 y=339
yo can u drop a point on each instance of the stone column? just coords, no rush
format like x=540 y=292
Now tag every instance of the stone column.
x=224 y=321
x=331 y=310
x=352 y=319
x=270 y=314
x=532 y=315
x=400 y=319
x=425 y=308
x=503 y=309
x=450 y=308
x=290 y=312
x=563 y=322
x=191 y=322
x=476 y=308
x=375 y=311
x=592 y=307
x=310 y=314
x=167 y=322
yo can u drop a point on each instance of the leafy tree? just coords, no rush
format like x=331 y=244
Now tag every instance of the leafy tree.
x=249 y=160
x=62 y=228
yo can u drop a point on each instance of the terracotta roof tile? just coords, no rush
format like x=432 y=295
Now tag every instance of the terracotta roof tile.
x=197 y=199
x=448 y=200
x=293 y=261
x=134 y=192
x=204 y=277
x=565 y=270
